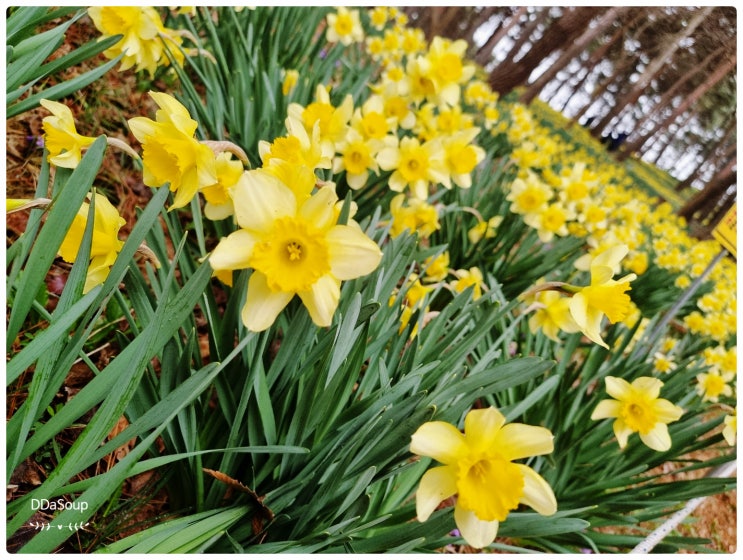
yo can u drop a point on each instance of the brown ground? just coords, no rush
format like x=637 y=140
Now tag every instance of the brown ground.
x=102 y=107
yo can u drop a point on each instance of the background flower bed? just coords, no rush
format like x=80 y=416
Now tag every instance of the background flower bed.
x=124 y=198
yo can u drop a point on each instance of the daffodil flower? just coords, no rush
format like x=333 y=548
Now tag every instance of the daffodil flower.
x=552 y=315
x=61 y=138
x=344 y=26
x=144 y=36
x=478 y=467
x=105 y=244
x=637 y=408
x=730 y=430
x=604 y=296
x=171 y=154
x=293 y=247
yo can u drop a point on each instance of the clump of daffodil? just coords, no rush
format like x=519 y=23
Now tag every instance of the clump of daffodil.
x=61 y=138
x=604 y=297
x=344 y=26
x=171 y=153
x=293 y=247
x=478 y=466
x=105 y=245
x=638 y=409
x=333 y=121
x=144 y=36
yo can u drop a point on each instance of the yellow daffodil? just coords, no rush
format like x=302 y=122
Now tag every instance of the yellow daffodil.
x=478 y=466
x=105 y=244
x=484 y=229
x=416 y=165
x=436 y=268
x=462 y=156
x=550 y=221
x=61 y=139
x=356 y=157
x=413 y=214
x=332 y=121
x=378 y=17
x=604 y=296
x=529 y=195
x=662 y=363
x=344 y=26
x=291 y=77
x=552 y=315
x=466 y=278
x=730 y=431
x=144 y=36
x=637 y=408
x=294 y=248
x=218 y=201
x=714 y=384
x=171 y=154
x=448 y=69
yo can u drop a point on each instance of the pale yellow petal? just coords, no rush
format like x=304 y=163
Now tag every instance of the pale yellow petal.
x=321 y=300
x=618 y=388
x=352 y=253
x=481 y=428
x=142 y=128
x=666 y=411
x=436 y=485
x=658 y=438
x=233 y=252
x=440 y=441
x=622 y=432
x=260 y=199
x=649 y=386
x=262 y=305
x=319 y=209
x=516 y=441
x=608 y=408
x=538 y=494
x=476 y=532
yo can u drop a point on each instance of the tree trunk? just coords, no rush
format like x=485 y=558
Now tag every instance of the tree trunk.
x=485 y=52
x=579 y=45
x=714 y=189
x=510 y=74
x=708 y=160
x=622 y=69
x=710 y=82
x=718 y=213
x=652 y=69
x=666 y=98
x=525 y=33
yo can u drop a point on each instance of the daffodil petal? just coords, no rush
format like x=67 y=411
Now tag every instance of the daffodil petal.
x=538 y=494
x=440 y=441
x=476 y=532
x=622 y=432
x=618 y=388
x=516 y=441
x=666 y=411
x=352 y=253
x=319 y=209
x=608 y=408
x=262 y=305
x=260 y=199
x=321 y=300
x=658 y=438
x=481 y=428
x=649 y=386
x=436 y=485
x=233 y=252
